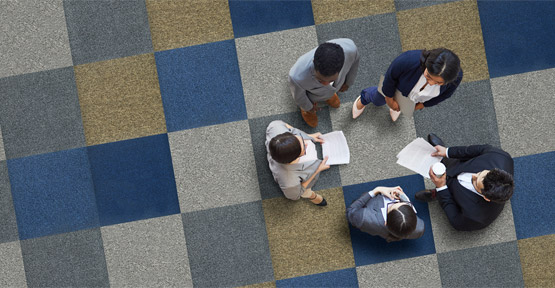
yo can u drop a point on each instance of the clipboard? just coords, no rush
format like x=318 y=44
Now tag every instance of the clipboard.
x=405 y=104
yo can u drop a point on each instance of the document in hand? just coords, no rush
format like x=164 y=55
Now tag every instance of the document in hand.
x=417 y=157
x=336 y=148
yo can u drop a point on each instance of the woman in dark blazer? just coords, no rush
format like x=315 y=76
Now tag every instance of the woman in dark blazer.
x=382 y=212
x=427 y=77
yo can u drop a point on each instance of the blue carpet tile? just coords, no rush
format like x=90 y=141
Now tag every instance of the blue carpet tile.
x=201 y=85
x=369 y=249
x=340 y=278
x=257 y=17
x=53 y=193
x=533 y=199
x=133 y=179
x=518 y=35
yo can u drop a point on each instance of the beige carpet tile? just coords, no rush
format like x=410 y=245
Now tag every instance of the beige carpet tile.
x=536 y=258
x=326 y=11
x=455 y=26
x=261 y=285
x=120 y=99
x=175 y=24
x=307 y=239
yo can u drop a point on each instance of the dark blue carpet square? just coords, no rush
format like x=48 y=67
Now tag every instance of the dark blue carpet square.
x=339 y=278
x=533 y=199
x=519 y=36
x=133 y=179
x=258 y=17
x=53 y=193
x=369 y=249
x=201 y=85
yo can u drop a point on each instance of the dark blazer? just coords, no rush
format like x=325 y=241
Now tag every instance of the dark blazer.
x=403 y=73
x=365 y=214
x=465 y=209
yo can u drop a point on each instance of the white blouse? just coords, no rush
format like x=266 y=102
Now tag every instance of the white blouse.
x=429 y=92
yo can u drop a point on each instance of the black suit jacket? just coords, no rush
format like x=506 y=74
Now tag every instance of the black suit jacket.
x=465 y=210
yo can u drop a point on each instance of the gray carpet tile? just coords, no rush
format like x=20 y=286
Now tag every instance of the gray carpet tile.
x=524 y=105
x=63 y=260
x=412 y=272
x=373 y=140
x=377 y=40
x=214 y=166
x=101 y=30
x=495 y=265
x=34 y=37
x=446 y=238
x=412 y=4
x=8 y=223
x=2 y=152
x=228 y=246
x=466 y=118
x=147 y=253
x=12 y=272
x=40 y=113
x=268 y=187
x=264 y=62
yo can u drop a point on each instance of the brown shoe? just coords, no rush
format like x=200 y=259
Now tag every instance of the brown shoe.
x=310 y=118
x=334 y=101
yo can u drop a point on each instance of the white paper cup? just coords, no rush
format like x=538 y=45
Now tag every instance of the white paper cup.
x=438 y=169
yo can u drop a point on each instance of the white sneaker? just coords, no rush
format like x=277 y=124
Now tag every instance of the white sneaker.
x=356 y=111
x=394 y=114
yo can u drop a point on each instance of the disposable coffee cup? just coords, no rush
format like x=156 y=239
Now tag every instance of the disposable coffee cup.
x=438 y=169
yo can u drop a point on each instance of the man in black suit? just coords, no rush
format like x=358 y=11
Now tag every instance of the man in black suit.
x=478 y=181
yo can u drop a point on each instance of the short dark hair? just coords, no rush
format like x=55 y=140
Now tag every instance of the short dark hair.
x=329 y=59
x=498 y=185
x=441 y=62
x=285 y=147
x=401 y=221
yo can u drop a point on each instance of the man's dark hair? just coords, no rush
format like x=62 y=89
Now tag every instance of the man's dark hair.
x=498 y=185
x=401 y=221
x=285 y=147
x=328 y=59
x=441 y=62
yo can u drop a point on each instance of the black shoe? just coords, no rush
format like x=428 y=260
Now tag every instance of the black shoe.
x=323 y=203
x=434 y=140
x=427 y=195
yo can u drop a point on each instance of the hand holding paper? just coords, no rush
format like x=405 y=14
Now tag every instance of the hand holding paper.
x=417 y=156
x=335 y=148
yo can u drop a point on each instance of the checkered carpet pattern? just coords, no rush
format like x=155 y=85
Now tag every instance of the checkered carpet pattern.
x=132 y=143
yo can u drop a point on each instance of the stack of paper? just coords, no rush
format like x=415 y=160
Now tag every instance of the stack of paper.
x=336 y=148
x=417 y=157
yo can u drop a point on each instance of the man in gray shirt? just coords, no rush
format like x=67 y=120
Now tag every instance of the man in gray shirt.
x=320 y=73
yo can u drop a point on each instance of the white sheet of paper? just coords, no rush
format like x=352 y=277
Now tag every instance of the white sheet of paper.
x=417 y=157
x=336 y=148
x=405 y=104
